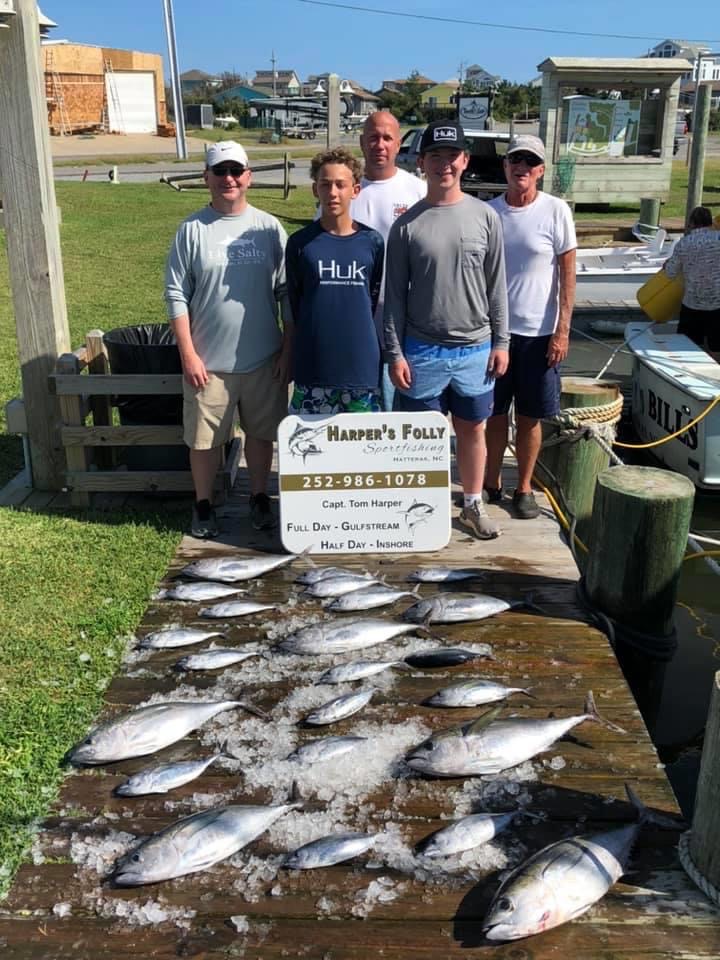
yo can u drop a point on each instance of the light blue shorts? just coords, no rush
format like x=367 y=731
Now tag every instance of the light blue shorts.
x=453 y=379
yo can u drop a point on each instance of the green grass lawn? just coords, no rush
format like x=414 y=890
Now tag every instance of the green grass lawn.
x=74 y=586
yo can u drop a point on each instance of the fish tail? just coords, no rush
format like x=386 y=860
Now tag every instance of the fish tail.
x=251 y=708
x=401 y=665
x=646 y=815
x=296 y=798
x=305 y=554
x=592 y=714
x=529 y=602
x=527 y=693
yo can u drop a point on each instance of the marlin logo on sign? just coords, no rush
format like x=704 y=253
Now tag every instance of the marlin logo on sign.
x=445 y=133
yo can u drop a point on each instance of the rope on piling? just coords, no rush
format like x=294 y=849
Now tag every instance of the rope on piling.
x=710 y=891
x=588 y=423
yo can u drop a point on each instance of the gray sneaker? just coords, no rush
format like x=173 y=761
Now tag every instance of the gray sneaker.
x=261 y=515
x=204 y=529
x=474 y=519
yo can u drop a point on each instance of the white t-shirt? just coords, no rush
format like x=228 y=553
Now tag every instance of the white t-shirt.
x=534 y=237
x=379 y=204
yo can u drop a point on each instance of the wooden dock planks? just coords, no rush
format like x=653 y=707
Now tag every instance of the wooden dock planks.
x=655 y=912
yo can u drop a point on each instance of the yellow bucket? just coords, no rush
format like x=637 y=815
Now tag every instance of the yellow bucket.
x=660 y=297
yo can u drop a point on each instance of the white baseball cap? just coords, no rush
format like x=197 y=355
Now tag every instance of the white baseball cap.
x=226 y=150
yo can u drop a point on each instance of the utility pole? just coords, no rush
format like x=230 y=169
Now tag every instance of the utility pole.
x=333 y=110
x=274 y=72
x=696 y=174
x=176 y=85
x=33 y=239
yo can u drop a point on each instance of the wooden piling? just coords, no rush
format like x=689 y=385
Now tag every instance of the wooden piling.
x=638 y=533
x=705 y=837
x=576 y=464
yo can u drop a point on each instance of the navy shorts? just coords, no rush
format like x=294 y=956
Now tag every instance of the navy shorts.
x=529 y=381
x=453 y=379
x=699 y=324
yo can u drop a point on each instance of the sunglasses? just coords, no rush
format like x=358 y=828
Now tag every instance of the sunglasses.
x=220 y=170
x=528 y=158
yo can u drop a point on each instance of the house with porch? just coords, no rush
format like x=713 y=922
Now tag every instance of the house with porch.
x=701 y=56
x=281 y=83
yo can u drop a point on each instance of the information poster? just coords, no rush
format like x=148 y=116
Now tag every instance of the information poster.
x=473 y=112
x=603 y=127
x=364 y=483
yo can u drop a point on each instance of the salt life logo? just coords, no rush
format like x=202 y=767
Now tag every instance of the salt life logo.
x=237 y=250
x=349 y=274
x=243 y=249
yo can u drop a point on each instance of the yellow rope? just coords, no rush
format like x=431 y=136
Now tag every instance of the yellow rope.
x=671 y=436
x=563 y=520
x=559 y=514
x=702 y=553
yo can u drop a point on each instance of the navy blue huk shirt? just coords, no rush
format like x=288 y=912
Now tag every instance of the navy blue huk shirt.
x=333 y=285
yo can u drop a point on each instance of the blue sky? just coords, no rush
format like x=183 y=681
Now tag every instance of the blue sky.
x=240 y=35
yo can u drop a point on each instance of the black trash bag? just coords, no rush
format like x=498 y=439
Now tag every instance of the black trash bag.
x=148 y=348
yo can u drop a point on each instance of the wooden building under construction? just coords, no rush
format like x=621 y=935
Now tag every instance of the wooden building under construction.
x=102 y=89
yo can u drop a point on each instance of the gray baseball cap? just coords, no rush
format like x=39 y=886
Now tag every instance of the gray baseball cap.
x=526 y=143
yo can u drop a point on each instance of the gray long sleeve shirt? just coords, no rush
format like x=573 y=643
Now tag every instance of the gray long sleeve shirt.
x=445 y=277
x=228 y=273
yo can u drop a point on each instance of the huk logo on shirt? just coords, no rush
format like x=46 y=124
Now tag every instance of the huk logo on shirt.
x=348 y=274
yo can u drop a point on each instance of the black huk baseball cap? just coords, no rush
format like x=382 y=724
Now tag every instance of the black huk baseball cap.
x=443 y=133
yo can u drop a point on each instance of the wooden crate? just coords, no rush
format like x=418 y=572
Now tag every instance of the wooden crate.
x=85 y=388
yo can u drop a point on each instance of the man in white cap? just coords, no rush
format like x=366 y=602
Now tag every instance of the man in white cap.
x=386 y=193
x=224 y=280
x=539 y=241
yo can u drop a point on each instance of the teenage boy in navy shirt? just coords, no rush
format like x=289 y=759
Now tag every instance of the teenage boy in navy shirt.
x=334 y=272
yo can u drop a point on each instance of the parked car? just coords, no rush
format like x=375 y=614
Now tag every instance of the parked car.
x=484 y=177
x=226 y=122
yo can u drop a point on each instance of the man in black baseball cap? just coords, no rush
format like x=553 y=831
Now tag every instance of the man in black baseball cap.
x=443 y=133
x=445 y=314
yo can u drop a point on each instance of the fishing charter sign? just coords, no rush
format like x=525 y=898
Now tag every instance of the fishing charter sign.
x=364 y=482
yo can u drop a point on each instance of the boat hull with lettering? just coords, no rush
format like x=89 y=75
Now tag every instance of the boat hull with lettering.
x=674 y=381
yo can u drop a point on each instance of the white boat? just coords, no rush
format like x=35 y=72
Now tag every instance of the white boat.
x=674 y=380
x=613 y=275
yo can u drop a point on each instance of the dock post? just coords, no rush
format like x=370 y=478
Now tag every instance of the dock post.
x=704 y=846
x=575 y=464
x=649 y=221
x=638 y=535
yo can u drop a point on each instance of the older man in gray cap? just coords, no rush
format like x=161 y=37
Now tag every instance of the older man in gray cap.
x=539 y=241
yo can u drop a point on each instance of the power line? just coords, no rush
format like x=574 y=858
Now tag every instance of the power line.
x=480 y=23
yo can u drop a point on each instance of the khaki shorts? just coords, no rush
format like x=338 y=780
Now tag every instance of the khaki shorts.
x=208 y=412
